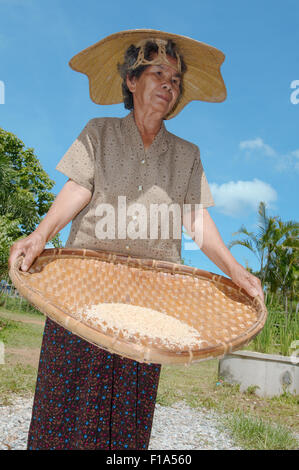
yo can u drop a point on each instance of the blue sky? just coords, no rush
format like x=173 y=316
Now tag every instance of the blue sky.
x=249 y=144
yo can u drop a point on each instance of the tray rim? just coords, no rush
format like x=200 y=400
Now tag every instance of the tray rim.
x=121 y=346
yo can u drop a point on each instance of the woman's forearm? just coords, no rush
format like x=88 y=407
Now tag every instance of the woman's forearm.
x=214 y=248
x=69 y=202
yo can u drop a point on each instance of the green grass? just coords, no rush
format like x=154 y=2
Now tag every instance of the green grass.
x=199 y=386
x=16 y=379
x=254 y=433
x=18 y=304
x=17 y=334
x=278 y=333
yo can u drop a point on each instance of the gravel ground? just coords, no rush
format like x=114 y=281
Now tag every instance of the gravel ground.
x=180 y=427
x=174 y=428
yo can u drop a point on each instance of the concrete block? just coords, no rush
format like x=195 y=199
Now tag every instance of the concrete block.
x=271 y=374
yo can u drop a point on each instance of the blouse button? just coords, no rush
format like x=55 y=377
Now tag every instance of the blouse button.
x=140 y=187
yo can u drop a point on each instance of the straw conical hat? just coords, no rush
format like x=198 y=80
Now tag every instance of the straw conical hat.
x=202 y=81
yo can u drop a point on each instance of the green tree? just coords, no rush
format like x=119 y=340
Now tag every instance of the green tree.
x=275 y=245
x=26 y=186
x=283 y=273
x=25 y=193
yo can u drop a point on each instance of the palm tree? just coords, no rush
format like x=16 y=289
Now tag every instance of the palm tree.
x=283 y=273
x=259 y=244
x=273 y=235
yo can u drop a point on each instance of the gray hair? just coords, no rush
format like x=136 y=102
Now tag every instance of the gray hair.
x=130 y=58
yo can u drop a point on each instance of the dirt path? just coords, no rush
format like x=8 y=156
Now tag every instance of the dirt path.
x=24 y=356
x=20 y=317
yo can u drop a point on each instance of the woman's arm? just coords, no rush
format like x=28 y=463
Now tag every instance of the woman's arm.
x=211 y=244
x=68 y=203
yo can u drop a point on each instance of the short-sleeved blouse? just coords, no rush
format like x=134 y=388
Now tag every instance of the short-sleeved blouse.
x=133 y=191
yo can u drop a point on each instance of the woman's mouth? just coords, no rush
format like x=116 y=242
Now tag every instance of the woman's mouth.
x=166 y=98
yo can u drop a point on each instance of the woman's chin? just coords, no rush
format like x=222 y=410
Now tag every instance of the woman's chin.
x=162 y=110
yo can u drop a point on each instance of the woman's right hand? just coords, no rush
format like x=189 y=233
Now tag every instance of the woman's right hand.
x=30 y=247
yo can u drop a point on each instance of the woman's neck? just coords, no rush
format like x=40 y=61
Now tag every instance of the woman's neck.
x=148 y=125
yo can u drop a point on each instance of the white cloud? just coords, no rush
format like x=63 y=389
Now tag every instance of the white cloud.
x=240 y=197
x=295 y=153
x=259 y=144
x=286 y=162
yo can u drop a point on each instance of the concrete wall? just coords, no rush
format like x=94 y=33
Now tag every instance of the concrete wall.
x=272 y=374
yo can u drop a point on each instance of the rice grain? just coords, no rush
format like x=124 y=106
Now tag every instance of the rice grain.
x=140 y=324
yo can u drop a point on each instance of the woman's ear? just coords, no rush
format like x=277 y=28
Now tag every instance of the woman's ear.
x=131 y=83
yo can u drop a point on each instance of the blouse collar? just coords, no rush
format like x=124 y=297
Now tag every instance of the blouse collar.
x=132 y=135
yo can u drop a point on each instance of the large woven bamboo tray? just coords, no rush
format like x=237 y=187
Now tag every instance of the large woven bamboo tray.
x=63 y=280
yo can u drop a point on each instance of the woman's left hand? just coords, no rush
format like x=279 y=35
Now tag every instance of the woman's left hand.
x=247 y=281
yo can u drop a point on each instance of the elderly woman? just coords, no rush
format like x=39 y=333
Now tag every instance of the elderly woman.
x=87 y=398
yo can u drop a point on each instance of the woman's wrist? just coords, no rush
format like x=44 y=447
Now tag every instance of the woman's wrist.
x=228 y=264
x=40 y=234
x=220 y=255
x=234 y=268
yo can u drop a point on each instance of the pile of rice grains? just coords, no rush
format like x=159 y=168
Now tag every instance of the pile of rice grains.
x=140 y=324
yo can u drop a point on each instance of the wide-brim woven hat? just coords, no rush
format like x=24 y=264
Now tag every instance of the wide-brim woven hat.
x=63 y=281
x=202 y=80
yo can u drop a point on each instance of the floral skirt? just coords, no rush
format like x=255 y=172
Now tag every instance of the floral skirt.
x=88 y=398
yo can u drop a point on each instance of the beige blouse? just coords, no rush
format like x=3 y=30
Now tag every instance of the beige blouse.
x=109 y=159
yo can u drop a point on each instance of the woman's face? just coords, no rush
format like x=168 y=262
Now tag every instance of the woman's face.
x=157 y=89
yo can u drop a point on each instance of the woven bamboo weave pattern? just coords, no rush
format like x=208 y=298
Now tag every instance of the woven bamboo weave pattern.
x=62 y=281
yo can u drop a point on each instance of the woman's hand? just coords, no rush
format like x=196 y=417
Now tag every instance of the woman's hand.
x=250 y=283
x=30 y=247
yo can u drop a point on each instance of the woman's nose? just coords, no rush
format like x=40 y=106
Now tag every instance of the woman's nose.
x=167 y=85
